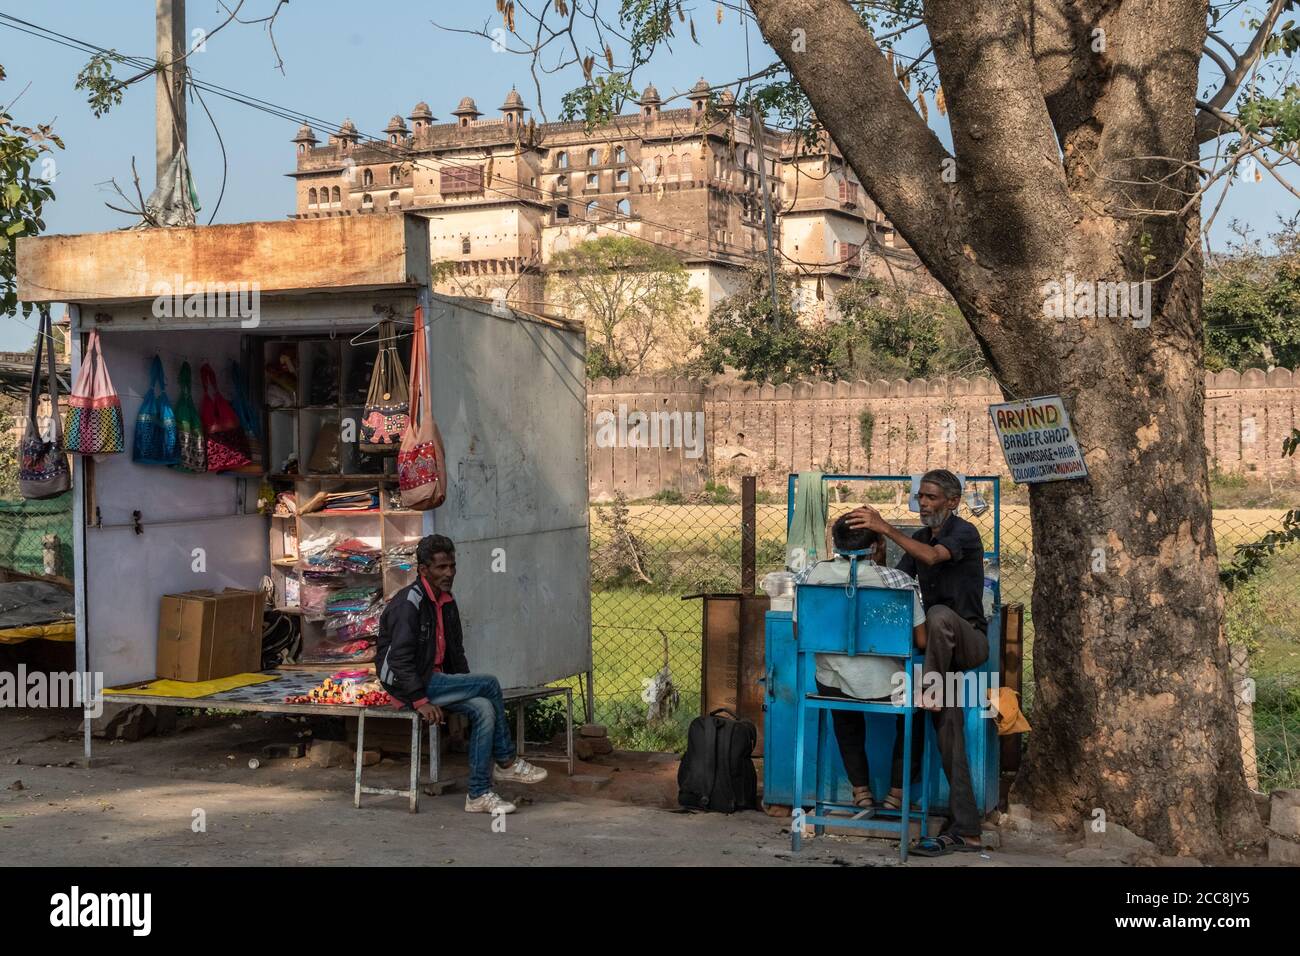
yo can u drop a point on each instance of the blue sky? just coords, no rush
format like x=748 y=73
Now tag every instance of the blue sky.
x=364 y=61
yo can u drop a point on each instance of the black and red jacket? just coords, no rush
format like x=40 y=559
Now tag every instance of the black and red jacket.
x=408 y=644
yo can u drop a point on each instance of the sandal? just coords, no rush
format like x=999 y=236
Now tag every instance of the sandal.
x=862 y=800
x=894 y=802
x=942 y=845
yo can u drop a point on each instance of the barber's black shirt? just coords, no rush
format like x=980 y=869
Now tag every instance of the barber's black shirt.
x=957 y=583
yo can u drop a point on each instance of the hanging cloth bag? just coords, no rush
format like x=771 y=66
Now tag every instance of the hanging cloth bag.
x=94 y=417
x=156 y=441
x=421 y=462
x=247 y=419
x=42 y=462
x=387 y=411
x=189 y=428
x=227 y=443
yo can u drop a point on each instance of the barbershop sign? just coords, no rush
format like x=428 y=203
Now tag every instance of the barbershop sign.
x=1038 y=440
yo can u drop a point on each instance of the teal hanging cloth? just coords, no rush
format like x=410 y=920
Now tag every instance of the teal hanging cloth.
x=806 y=541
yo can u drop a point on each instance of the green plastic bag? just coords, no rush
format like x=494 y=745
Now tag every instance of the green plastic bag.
x=189 y=428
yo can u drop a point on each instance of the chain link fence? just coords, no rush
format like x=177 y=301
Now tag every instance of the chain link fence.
x=648 y=557
x=23 y=527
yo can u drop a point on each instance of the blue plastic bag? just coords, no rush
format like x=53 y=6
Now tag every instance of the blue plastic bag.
x=156 y=441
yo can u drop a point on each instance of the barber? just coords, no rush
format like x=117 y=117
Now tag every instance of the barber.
x=946 y=556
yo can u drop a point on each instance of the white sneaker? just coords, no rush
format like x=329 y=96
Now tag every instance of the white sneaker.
x=488 y=803
x=521 y=771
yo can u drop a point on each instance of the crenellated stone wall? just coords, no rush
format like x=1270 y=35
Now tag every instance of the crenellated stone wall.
x=913 y=425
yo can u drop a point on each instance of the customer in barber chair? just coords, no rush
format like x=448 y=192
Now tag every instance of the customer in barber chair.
x=863 y=676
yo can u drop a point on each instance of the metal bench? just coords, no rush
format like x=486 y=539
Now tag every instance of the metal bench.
x=253 y=699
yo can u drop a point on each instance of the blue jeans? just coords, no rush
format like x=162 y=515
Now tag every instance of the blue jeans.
x=478 y=696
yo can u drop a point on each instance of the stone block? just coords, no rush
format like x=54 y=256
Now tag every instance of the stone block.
x=1284 y=813
x=330 y=753
x=1283 y=851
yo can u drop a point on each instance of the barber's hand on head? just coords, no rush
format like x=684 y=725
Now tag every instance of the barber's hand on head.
x=430 y=713
x=869 y=518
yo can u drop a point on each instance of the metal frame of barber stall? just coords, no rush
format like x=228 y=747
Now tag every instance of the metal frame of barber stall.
x=781 y=698
x=857 y=621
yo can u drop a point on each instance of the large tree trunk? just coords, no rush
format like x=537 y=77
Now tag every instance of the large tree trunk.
x=1054 y=145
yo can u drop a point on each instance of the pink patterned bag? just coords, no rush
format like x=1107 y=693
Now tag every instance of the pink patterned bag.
x=94 y=418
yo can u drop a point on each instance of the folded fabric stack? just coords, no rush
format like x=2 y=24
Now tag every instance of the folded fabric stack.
x=357 y=557
x=400 y=557
x=322 y=568
x=359 y=625
x=365 y=499
x=351 y=600
x=351 y=625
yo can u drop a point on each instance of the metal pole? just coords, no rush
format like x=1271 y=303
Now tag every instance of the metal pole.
x=756 y=133
x=169 y=83
x=748 y=572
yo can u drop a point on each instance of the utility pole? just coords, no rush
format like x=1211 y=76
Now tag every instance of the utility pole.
x=169 y=88
x=756 y=134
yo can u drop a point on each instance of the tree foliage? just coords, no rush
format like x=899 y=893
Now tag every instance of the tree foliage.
x=24 y=191
x=1252 y=303
x=869 y=333
x=635 y=299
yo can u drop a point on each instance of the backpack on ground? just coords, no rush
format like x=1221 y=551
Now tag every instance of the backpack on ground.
x=717 y=770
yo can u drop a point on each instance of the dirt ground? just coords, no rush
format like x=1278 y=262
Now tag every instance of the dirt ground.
x=138 y=805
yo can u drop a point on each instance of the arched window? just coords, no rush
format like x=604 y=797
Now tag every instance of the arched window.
x=311 y=198
x=622 y=178
x=367 y=201
x=562 y=211
x=367 y=178
x=624 y=207
x=671 y=169
x=593 y=180
x=593 y=208
x=686 y=168
x=394 y=199
x=657 y=169
x=335 y=196
x=620 y=154
x=464 y=245
x=392 y=138
x=592 y=157
x=394 y=175
x=562 y=160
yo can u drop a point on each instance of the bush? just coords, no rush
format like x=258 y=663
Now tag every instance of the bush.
x=543 y=719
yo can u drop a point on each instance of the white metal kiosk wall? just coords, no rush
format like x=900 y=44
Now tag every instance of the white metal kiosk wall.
x=509 y=393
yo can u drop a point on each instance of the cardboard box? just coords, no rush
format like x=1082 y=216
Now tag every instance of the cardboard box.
x=203 y=635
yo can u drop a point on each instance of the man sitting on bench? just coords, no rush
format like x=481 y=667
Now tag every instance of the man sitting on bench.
x=864 y=676
x=420 y=659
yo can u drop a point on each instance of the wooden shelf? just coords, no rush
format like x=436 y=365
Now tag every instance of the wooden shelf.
x=378 y=476
x=299 y=427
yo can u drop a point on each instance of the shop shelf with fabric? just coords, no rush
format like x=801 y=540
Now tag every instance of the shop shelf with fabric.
x=301 y=410
x=831 y=618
